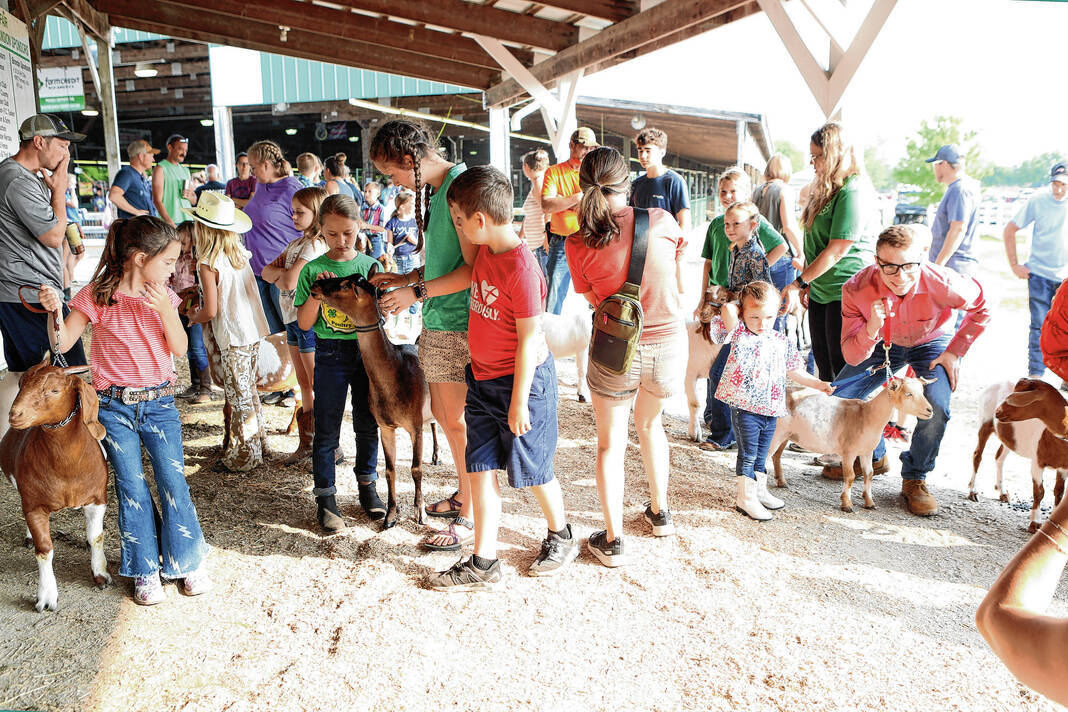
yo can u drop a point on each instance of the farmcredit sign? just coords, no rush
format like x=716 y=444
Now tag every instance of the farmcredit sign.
x=60 y=89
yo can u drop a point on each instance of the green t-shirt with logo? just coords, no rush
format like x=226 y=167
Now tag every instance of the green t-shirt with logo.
x=844 y=217
x=717 y=248
x=175 y=176
x=447 y=312
x=332 y=324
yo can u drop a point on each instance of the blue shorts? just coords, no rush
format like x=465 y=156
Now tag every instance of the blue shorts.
x=528 y=459
x=26 y=338
x=303 y=339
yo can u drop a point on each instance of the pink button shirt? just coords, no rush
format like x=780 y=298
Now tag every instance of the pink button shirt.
x=922 y=315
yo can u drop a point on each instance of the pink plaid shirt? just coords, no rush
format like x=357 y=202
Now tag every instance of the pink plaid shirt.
x=922 y=315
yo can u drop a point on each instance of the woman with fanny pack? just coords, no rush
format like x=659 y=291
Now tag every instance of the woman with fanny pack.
x=598 y=256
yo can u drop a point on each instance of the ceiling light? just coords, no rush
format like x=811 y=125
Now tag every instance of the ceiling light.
x=207 y=122
x=90 y=112
x=145 y=70
x=353 y=139
x=291 y=132
x=637 y=122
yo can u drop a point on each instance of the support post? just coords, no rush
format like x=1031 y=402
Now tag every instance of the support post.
x=365 y=152
x=225 y=151
x=108 y=114
x=739 y=130
x=500 y=146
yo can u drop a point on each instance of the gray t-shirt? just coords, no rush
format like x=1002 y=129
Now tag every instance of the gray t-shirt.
x=25 y=214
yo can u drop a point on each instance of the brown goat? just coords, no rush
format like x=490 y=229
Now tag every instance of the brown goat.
x=398 y=392
x=712 y=302
x=53 y=457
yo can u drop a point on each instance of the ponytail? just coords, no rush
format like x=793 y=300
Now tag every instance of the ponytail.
x=603 y=172
x=127 y=237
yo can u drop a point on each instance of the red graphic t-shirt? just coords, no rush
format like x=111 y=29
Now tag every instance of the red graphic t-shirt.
x=504 y=288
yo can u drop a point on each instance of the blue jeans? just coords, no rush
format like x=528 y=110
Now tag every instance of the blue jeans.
x=339 y=367
x=405 y=264
x=378 y=244
x=556 y=273
x=782 y=273
x=147 y=540
x=1040 y=293
x=920 y=458
x=717 y=413
x=198 y=355
x=754 y=433
x=271 y=310
x=543 y=258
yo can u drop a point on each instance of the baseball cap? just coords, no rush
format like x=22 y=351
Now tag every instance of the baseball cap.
x=585 y=136
x=176 y=137
x=48 y=126
x=1059 y=173
x=947 y=153
x=140 y=146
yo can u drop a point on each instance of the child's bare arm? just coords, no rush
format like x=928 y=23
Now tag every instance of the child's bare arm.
x=526 y=354
x=807 y=379
x=209 y=307
x=288 y=278
x=71 y=328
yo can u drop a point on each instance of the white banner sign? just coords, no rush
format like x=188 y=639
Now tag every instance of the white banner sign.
x=16 y=87
x=60 y=89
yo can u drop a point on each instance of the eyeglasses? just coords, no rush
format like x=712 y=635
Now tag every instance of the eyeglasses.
x=890 y=269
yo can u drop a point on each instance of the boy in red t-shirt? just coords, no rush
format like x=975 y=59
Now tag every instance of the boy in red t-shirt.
x=511 y=383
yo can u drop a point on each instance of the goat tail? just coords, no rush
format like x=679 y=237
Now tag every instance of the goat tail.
x=986 y=428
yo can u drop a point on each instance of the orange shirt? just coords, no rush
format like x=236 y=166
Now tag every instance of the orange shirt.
x=562 y=181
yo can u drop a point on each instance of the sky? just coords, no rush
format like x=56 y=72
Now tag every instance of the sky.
x=997 y=64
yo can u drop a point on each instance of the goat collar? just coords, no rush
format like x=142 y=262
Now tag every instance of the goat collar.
x=364 y=328
x=70 y=416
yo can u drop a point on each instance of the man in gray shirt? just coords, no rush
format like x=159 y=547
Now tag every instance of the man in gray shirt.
x=33 y=225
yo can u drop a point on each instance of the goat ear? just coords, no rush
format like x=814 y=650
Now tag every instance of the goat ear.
x=47 y=359
x=925 y=381
x=894 y=384
x=373 y=269
x=90 y=407
x=1022 y=399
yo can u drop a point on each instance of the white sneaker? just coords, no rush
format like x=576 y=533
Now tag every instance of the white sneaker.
x=747 y=502
x=766 y=498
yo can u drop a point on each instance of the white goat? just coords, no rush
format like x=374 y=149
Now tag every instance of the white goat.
x=569 y=335
x=1027 y=438
x=849 y=427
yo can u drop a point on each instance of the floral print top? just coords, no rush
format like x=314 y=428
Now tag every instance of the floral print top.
x=754 y=378
x=748 y=263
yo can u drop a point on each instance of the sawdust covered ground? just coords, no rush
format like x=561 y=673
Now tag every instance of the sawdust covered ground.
x=817 y=610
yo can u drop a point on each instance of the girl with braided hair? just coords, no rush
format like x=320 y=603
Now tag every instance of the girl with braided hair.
x=405 y=152
x=271 y=211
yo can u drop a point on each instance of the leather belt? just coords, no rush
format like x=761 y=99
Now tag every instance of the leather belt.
x=132 y=396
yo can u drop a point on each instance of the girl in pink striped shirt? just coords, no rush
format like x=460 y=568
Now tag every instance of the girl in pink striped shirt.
x=136 y=335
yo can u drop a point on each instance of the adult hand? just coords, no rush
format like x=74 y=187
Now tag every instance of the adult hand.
x=325 y=275
x=190 y=195
x=804 y=298
x=396 y=300
x=880 y=310
x=1021 y=271
x=57 y=179
x=790 y=299
x=49 y=299
x=156 y=295
x=518 y=417
x=951 y=363
x=388 y=280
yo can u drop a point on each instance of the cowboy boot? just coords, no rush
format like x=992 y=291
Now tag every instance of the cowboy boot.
x=306 y=431
x=204 y=393
x=194 y=386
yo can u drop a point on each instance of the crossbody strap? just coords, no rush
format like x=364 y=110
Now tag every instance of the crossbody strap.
x=638 y=248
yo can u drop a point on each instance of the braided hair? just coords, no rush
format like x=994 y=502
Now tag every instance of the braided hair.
x=272 y=153
x=397 y=139
x=127 y=237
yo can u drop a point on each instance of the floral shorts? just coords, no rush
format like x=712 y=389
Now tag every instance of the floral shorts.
x=443 y=355
x=657 y=369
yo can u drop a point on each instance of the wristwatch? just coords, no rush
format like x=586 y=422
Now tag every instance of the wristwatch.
x=420 y=290
x=801 y=283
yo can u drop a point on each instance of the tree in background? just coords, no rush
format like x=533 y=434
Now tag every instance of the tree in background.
x=882 y=176
x=1032 y=173
x=797 y=158
x=913 y=168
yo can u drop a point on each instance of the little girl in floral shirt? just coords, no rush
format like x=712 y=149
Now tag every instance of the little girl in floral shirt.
x=754 y=386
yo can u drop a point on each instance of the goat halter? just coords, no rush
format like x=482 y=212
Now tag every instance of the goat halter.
x=70 y=416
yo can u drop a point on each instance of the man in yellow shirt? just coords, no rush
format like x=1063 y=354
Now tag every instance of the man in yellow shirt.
x=560 y=196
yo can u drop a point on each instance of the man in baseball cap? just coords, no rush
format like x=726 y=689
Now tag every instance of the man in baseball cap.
x=131 y=191
x=957 y=217
x=1047 y=262
x=33 y=226
x=172 y=191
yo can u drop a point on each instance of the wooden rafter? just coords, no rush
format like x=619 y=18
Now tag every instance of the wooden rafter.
x=88 y=16
x=37 y=8
x=666 y=19
x=174 y=20
x=612 y=10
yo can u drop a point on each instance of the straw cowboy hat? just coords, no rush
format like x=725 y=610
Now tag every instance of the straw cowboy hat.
x=218 y=211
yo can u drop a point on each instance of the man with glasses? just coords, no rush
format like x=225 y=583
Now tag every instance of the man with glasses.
x=956 y=219
x=907 y=302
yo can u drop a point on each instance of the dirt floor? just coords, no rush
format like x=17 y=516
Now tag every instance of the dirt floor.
x=817 y=610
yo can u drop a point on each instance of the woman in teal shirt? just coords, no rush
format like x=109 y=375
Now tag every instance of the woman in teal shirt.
x=837 y=242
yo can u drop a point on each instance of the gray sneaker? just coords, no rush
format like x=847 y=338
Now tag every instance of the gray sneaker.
x=660 y=522
x=555 y=554
x=611 y=555
x=465 y=576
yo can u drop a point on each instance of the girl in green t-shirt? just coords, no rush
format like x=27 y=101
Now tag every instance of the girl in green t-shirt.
x=405 y=152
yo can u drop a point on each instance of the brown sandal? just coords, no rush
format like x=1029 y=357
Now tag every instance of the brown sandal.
x=455 y=541
x=454 y=507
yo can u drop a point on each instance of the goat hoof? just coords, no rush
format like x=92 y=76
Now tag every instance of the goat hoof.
x=1004 y=497
x=973 y=496
x=102 y=581
x=1033 y=527
x=28 y=542
x=388 y=523
x=870 y=506
x=582 y=399
x=847 y=508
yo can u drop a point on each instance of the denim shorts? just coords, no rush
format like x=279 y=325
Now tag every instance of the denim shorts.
x=303 y=339
x=657 y=369
x=491 y=445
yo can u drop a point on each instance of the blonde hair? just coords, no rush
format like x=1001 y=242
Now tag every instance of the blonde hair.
x=211 y=242
x=312 y=198
x=778 y=168
x=839 y=163
x=272 y=153
x=402 y=199
x=740 y=179
x=308 y=160
x=744 y=206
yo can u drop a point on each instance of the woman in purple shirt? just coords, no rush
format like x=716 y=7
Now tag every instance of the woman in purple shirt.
x=272 y=223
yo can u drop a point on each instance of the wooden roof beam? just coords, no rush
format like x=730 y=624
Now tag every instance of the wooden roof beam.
x=95 y=22
x=37 y=8
x=476 y=19
x=612 y=10
x=168 y=19
x=661 y=21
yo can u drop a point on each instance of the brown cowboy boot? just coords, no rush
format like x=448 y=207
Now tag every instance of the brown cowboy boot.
x=305 y=431
x=204 y=393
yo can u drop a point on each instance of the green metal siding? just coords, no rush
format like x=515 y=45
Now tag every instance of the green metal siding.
x=61 y=34
x=292 y=80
